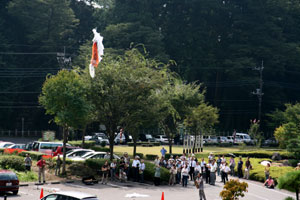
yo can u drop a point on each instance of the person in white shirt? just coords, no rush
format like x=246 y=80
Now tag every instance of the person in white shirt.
x=192 y=165
x=185 y=175
x=178 y=175
x=232 y=165
x=173 y=172
x=213 y=170
x=197 y=169
x=223 y=159
x=225 y=170
x=211 y=156
x=141 y=171
x=156 y=161
x=135 y=166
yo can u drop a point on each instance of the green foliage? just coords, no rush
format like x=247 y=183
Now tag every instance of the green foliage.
x=254 y=132
x=291 y=182
x=144 y=143
x=87 y=144
x=28 y=176
x=150 y=157
x=286 y=132
x=12 y=162
x=100 y=148
x=294 y=147
x=33 y=154
x=260 y=154
x=81 y=169
x=289 y=198
x=233 y=189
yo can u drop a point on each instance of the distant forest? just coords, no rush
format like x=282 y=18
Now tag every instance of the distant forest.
x=219 y=43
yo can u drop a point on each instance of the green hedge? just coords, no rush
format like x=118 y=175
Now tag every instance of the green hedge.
x=33 y=154
x=143 y=143
x=12 y=162
x=87 y=144
x=100 y=148
x=260 y=154
x=1 y=150
x=150 y=156
x=167 y=156
x=140 y=155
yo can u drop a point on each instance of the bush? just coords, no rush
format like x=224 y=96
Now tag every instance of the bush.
x=81 y=169
x=1 y=150
x=95 y=164
x=289 y=198
x=293 y=162
x=12 y=162
x=150 y=156
x=140 y=155
x=259 y=154
x=27 y=176
x=99 y=148
x=87 y=144
x=143 y=143
x=33 y=154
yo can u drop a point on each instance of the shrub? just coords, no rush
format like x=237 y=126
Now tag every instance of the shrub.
x=167 y=156
x=81 y=169
x=13 y=151
x=12 y=162
x=95 y=164
x=289 y=198
x=150 y=156
x=33 y=154
x=99 y=148
x=87 y=144
x=140 y=155
x=27 y=176
x=293 y=162
x=259 y=154
x=233 y=189
x=1 y=150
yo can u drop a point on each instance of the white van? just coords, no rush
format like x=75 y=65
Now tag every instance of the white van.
x=46 y=147
x=244 y=137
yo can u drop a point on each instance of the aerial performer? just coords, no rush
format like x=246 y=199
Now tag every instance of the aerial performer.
x=97 y=52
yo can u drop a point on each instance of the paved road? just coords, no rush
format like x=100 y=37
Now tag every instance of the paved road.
x=118 y=191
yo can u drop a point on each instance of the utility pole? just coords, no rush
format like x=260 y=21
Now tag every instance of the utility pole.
x=22 y=126
x=62 y=60
x=259 y=91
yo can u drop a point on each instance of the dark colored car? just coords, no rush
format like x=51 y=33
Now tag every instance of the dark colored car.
x=9 y=182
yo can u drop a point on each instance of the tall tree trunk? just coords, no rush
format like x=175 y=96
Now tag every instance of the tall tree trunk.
x=134 y=147
x=83 y=134
x=111 y=142
x=170 y=145
x=65 y=137
x=297 y=194
x=194 y=144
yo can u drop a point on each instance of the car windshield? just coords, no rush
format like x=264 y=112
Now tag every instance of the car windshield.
x=87 y=154
x=213 y=137
x=8 y=176
x=247 y=137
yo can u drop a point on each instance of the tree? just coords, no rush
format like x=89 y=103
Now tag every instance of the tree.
x=121 y=92
x=255 y=132
x=65 y=97
x=175 y=100
x=201 y=119
x=291 y=182
x=284 y=133
x=234 y=189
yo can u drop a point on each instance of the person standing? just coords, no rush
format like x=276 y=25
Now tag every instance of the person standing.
x=232 y=165
x=225 y=170
x=192 y=165
x=28 y=162
x=218 y=164
x=248 y=168
x=185 y=175
x=135 y=166
x=173 y=172
x=207 y=171
x=41 y=165
x=142 y=169
x=163 y=152
x=113 y=166
x=240 y=168
x=213 y=170
x=105 y=169
x=156 y=161
x=179 y=168
x=197 y=169
x=122 y=173
x=58 y=165
x=199 y=184
x=267 y=171
x=157 y=175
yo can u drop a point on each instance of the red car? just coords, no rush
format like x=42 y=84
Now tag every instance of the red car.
x=9 y=182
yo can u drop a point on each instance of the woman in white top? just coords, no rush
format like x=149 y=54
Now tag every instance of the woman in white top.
x=185 y=175
x=225 y=170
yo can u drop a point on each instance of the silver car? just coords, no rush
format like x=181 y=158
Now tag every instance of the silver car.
x=72 y=195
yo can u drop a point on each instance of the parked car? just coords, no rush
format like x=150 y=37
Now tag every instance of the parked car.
x=59 y=150
x=46 y=147
x=5 y=144
x=230 y=139
x=270 y=142
x=17 y=146
x=222 y=139
x=9 y=182
x=146 y=138
x=78 y=153
x=87 y=137
x=245 y=138
x=70 y=195
x=28 y=146
x=161 y=139
x=99 y=138
x=210 y=139
x=93 y=155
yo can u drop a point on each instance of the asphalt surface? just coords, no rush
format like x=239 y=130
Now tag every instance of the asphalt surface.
x=122 y=191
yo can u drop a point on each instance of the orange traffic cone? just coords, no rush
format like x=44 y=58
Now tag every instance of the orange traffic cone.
x=163 y=196
x=42 y=193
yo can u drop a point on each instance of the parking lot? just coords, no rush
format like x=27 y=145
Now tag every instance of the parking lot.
x=130 y=190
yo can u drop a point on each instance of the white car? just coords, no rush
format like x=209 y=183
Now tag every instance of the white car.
x=161 y=139
x=78 y=153
x=230 y=139
x=88 y=137
x=93 y=155
x=245 y=138
x=16 y=146
x=5 y=144
x=72 y=195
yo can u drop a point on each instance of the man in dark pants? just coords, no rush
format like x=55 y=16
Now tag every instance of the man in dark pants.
x=240 y=168
x=135 y=166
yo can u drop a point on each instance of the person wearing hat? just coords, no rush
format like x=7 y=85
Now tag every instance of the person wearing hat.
x=135 y=166
x=298 y=167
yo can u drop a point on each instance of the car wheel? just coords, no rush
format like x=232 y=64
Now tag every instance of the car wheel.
x=15 y=192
